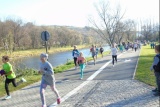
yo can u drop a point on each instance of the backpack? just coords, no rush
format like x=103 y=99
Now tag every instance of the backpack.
x=157 y=67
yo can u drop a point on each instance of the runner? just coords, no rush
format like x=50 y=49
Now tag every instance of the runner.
x=93 y=51
x=10 y=76
x=75 y=54
x=81 y=61
x=114 y=54
x=121 y=48
x=47 y=79
x=135 y=46
x=96 y=51
x=101 y=50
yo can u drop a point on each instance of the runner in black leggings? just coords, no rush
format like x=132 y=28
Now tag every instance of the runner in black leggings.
x=114 y=54
x=75 y=54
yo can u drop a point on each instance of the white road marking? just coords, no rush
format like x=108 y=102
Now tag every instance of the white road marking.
x=74 y=91
x=127 y=60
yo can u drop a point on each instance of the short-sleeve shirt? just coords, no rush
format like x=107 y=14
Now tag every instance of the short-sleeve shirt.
x=7 y=67
x=93 y=51
x=80 y=60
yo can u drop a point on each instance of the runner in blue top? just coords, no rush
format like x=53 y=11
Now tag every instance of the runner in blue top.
x=96 y=51
x=75 y=54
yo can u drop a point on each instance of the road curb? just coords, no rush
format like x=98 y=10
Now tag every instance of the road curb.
x=136 y=65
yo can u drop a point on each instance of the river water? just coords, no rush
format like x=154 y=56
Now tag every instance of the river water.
x=55 y=59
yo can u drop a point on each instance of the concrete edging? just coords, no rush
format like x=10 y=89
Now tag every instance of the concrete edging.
x=136 y=65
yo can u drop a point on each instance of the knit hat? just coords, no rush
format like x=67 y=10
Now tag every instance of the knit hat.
x=44 y=55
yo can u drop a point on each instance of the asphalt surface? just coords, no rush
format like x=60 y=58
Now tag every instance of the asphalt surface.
x=112 y=87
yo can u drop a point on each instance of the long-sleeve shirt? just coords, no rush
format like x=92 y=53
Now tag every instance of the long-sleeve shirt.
x=114 y=51
x=75 y=53
x=155 y=62
x=48 y=73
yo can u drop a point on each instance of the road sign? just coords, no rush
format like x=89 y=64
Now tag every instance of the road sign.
x=45 y=36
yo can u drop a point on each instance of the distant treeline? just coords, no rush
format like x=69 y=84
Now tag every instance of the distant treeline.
x=15 y=34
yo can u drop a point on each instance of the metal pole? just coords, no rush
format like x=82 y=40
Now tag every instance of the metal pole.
x=46 y=41
x=46 y=46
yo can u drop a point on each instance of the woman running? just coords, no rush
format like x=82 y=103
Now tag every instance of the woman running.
x=47 y=79
x=75 y=54
x=10 y=76
x=81 y=61
x=114 y=54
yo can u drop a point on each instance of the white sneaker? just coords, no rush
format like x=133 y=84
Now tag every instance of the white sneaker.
x=113 y=65
x=7 y=97
x=75 y=67
x=23 y=80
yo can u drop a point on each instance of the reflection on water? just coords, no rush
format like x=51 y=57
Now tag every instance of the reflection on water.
x=55 y=59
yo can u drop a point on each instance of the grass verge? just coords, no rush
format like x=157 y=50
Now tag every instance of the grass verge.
x=143 y=72
x=32 y=76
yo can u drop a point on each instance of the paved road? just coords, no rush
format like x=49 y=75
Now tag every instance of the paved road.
x=112 y=87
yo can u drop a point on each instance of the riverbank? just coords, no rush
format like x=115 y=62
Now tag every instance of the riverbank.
x=35 y=52
x=143 y=72
x=32 y=76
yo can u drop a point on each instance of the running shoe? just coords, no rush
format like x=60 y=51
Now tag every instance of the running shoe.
x=155 y=90
x=7 y=97
x=44 y=106
x=23 y=80
x=156 y=93
x=58 y=101
x=75 y=68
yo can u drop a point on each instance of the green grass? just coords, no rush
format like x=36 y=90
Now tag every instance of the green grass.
x=32 y=76
x=143 y=72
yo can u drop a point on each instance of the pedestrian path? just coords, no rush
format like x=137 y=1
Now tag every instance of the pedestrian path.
x=113 y=93
x=112 y=87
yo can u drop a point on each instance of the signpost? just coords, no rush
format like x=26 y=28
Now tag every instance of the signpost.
x=45 y=37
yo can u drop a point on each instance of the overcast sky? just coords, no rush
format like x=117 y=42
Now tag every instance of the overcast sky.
x=73 y=12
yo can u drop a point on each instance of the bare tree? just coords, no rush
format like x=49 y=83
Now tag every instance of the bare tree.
x=109 y=20
x=130 y=27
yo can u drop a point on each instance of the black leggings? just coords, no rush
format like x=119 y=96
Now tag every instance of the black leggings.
x=114 y=57
x=75 y=61
x=13 y=82
x=135 y=49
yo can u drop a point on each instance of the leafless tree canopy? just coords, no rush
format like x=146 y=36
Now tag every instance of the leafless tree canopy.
x=111 y=27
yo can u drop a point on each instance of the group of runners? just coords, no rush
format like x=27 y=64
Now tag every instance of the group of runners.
x=47 y=72
x=129 y=45
x=80 y=60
